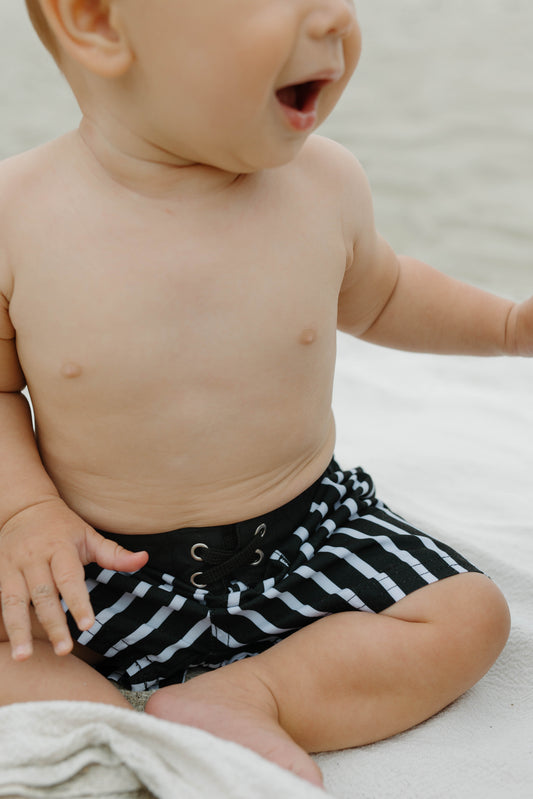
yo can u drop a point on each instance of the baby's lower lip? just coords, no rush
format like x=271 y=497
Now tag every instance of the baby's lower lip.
x=301 y=116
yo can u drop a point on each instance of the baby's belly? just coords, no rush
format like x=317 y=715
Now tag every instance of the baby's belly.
x=141 y=483
x=190 y=427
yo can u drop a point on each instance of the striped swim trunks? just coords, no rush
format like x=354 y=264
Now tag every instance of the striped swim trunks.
x=210 y=596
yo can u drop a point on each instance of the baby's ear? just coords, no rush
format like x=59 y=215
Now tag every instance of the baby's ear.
x=91 y=33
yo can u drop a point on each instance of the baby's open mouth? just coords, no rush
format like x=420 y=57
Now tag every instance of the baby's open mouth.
x=301 y=96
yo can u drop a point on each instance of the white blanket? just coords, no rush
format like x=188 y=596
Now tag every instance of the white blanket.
x=448 y=441
x=71 y=750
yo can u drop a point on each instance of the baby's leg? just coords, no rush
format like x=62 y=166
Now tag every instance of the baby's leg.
x=46 y=676
x=351 y=678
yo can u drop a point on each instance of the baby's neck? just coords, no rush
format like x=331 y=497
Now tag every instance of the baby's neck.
x=140 y=168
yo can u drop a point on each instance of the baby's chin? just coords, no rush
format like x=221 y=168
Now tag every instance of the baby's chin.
x=252 y=163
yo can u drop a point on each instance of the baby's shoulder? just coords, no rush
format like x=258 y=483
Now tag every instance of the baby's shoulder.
x=15 y=174
x=28 y=183
x=331 y=162
x=335 y=173
x=27 y=173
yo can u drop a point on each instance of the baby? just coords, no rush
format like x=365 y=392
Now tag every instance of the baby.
x=172 y=276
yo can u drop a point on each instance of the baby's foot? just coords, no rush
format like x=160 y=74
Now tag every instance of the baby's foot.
x=238 y=712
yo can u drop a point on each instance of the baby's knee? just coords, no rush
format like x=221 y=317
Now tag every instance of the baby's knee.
x=479 y=621
x=467 y=613
x=486 y=611
x=485 y=620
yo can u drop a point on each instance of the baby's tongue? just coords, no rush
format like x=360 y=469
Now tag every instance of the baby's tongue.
x=288 y=96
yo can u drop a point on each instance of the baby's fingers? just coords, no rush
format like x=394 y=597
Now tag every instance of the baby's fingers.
x=48 y=609
x=16 y=615
x=69 y=576
x=111 y=555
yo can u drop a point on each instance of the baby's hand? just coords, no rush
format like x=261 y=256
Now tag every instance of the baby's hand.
x=42 y=553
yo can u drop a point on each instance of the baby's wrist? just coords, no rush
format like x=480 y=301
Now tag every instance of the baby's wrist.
x=31 y=506
x=519 y=329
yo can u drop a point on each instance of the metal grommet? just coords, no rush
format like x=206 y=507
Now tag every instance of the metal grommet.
x=194 y=549
x=259 y=558
x=261 y=530
x=193 y=580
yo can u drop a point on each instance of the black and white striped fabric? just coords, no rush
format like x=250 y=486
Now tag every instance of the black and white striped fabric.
x=334 y=548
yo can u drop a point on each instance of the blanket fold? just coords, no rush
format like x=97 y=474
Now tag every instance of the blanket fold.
x=73 y=750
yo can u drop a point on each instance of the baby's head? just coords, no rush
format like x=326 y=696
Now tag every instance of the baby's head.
x=231 y=83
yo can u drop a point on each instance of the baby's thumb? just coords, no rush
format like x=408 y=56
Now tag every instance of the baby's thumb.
x=110 y=555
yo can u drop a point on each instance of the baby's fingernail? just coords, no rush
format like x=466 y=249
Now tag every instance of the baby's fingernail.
x=86 y=623
x=21 y=652
x=62 y=648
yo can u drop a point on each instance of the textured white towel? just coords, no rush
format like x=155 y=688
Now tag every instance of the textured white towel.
x=72 y=750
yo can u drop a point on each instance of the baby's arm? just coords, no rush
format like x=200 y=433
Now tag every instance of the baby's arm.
x=400 y=302
x=43 y=544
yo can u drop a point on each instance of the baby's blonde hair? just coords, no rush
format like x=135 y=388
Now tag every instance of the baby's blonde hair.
x=42 y=27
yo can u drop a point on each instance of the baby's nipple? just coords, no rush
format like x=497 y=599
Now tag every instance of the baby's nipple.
x=308 y=336
x=71 y=369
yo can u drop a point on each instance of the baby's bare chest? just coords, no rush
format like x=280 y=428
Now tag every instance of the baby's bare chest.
x=189 y=309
